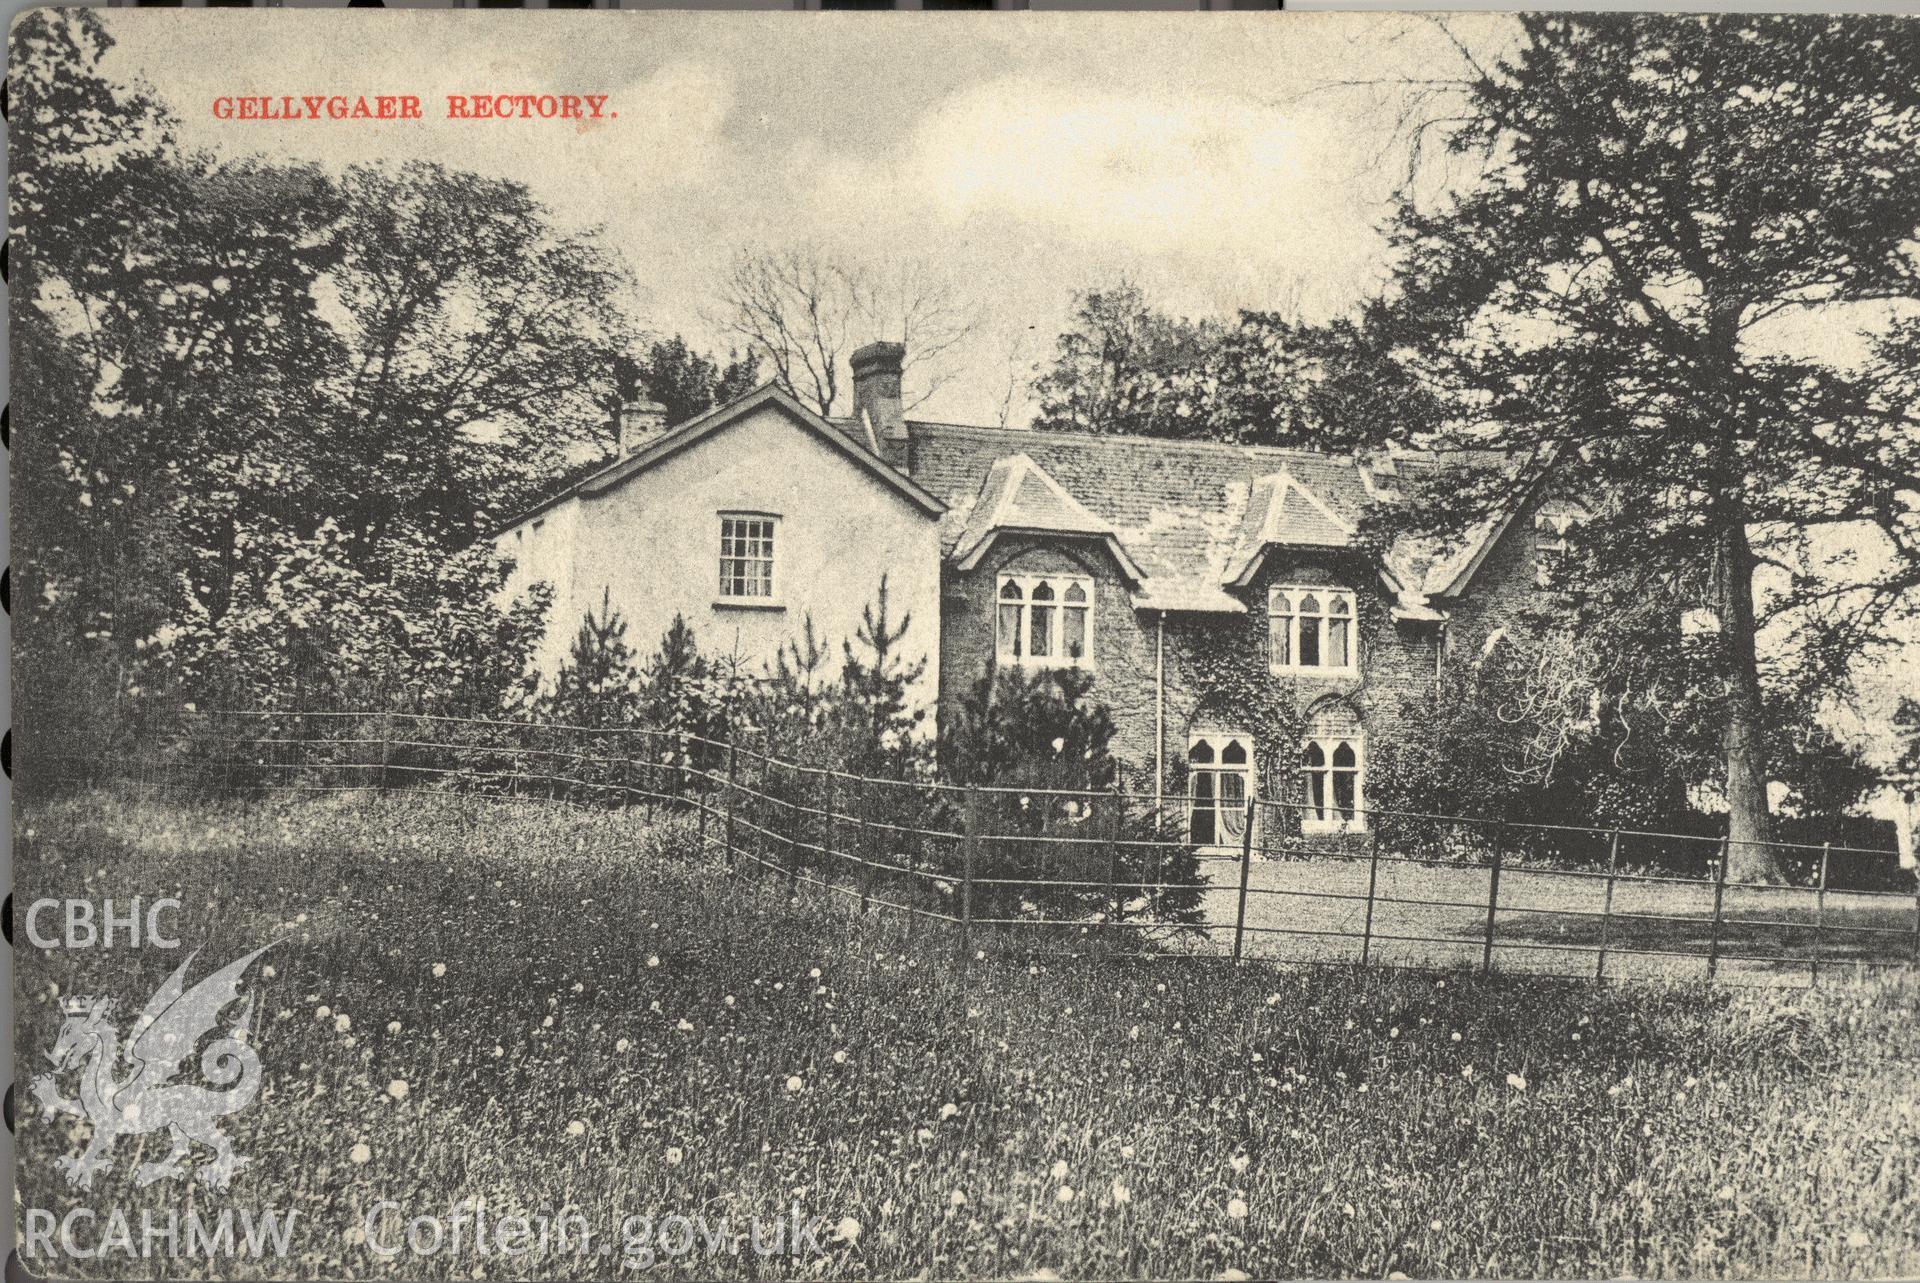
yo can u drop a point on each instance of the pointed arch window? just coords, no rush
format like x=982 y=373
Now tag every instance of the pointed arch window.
x=1333 y=773
x=1311 y=629
x=1045 y=620
x=1219 y=782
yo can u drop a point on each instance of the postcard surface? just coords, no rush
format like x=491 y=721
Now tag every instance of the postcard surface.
x=1193 y=646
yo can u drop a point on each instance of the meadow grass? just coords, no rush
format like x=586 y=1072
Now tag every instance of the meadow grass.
x=557 y=1009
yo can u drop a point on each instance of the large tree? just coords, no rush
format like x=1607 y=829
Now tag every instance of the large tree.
x=805 y=311
x=687 y=382
x=1266 y=378
x=1635 y=298
x=243 y=372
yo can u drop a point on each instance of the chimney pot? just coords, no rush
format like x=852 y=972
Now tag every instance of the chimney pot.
x=641 y=424
x=876 y=388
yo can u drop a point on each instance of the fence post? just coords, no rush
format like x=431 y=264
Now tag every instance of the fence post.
x=1606 y=906
x=1246 y=868
x=230 y=745
x=969 y=842
x=700 y=803
x=862 y=850
x=826 y=822
x=626 y=768
x=791 y=834
x=1118 y=803
x=1493 y=893
x=1719 y=898
x=1820 y=915
x=1373 y=882
x=730 y=793
x=386 y=747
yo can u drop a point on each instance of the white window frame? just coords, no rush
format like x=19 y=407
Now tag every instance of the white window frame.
x=734 y=553
x=1327 y=819
x=1016 y=650
x=1218 y=741
x=1293 y=594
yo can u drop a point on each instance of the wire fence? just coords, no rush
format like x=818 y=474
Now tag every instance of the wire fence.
x=1033 y=870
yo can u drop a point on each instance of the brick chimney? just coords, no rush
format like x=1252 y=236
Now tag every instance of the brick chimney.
x=641 y=424
x=876 y=389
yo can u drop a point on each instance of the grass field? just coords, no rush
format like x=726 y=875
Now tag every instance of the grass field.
x=550 y=1008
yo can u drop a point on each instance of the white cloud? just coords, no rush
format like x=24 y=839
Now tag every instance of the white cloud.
x=1142 y=172
x=673 y=124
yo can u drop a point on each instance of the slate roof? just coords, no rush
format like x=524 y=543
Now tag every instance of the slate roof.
x=1018 y=495
x=1190 y=514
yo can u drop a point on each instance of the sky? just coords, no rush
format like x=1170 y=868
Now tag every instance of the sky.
x=1223 y=161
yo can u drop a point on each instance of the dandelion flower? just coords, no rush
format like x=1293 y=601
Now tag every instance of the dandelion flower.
x=1060 y=1169
x=1121 y=1194
x=685 y=1026
x=814 y=974
x=398 y=1089
x=622 y=1045
x=1434 y=1226
x=498 y=1051
x=1456 y=1035
x=1126 y=1151
x=1237 y=1209
x=439 y=969
x=847 y=1230
x=1467 y=1072
x=342 y=1023
x=1857 y=1239
x=653 y=960
x=321 y=1013
x=674 y=1155
x=958 y=1198
x=794 y=1083
x=1273 y=1000
x=1394 y=1032
x=728 y=1000
x=360 y=1155
x=839 y=1057
x=393 y=1026
x=1231 y=1276
x=1724 y=1193
x=268 y=973
x=1239 y=1163
x=1064 y=1194
x=576 y=1128
x=1516 y=1082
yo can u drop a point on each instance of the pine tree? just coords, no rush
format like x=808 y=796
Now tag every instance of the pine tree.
x=597 y=685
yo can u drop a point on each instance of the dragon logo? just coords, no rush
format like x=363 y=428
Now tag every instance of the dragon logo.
x=146 y=1099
